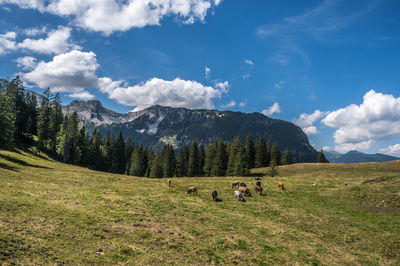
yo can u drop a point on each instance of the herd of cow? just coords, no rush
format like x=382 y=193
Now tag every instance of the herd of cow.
x=242 y=189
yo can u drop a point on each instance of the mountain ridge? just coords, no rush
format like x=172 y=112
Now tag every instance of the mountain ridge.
x=358 y=157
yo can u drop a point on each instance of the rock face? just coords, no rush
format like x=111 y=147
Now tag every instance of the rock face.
x=158 y=125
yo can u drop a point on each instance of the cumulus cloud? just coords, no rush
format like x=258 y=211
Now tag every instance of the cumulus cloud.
x=108 y=16
x=84 y=95
x=275 y=108
x=68 y=72
x=56 y=42
x=311 y=130
x=306 y=121
x=228 y=105
x=27 y=62
x=35 y=31
x=243 y=104
x=249 y=62
x=7 y=42
x=391 y=150
x=377 y=118
x=74 y=72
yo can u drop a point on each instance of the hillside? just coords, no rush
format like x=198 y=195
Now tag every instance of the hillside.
x=157 y=125
x=54 y=213
x=358 y=157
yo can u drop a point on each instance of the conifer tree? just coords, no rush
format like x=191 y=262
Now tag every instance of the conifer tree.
x=150 y=159
x=237 y=165
x=268 y=148
x=95 y=152
x=156 y=169
x=168 y=161
x=7 y=117
x=287 y=157
x=210 y=157
x=193 y=164
x=70 y=151
x=84 y=145
x=107 y=150
x=128 y=153
x=261 y=153
x=202 y=157
x=138 y=162
x=118 y=159
x=17 y=92
x=220 y=164
x=321 y=157
x=276 y=154
x=250 y=151
x=56 y=120
x=182 y=161
x=43 y=122
x=273 y=169
x=31 y=101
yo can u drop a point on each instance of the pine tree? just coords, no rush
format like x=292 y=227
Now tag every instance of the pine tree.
x=321 y=157
x=107 y=150
x=84 y=145
x=138 y=162
x=268 y=148
x=31 y=101
x=287 y=157
x=7 y=117
x=96 y=160
x=202 y=157
x=182 y=161
x=56 y=120
x=193 y=164
x=273 y=169
x=43 y=122
x=276 y=154
x=237 y=165
x=129 y=146
x=169 y=162
x=210 y=156
x=156 y=169
x=261 y=153
x=220 y=164
x=150 y=159
x=21 y=111
x=250 y=151
x=118 y=159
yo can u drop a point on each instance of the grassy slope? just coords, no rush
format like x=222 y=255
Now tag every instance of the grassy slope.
x=52 y=213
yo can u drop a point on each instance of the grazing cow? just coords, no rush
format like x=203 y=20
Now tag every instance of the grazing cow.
x=258 y=183
x=281 y=185
x=191 y=190
x=245 y=191
x=259 y=189
x=239 y=196
x=242 y=184
x=345 y=184
x=214 y=195
x=258 y=178
x=235 y=184
x=169 y=182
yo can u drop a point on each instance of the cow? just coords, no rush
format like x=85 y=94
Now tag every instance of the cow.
x=242 y=184
x=258 y=178
x=245 y=191
x=235 y=184
x=281 y=185
x=239 y=196
x=259 y=189
x=345 y=184
x=191 y=190
x=214 y=195
x=169 y=182
x=258 y=183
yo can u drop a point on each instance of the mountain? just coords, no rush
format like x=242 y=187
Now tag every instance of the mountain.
x=157 y=125
x=357 y=157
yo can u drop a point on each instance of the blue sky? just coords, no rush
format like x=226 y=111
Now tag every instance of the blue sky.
x=330 y=66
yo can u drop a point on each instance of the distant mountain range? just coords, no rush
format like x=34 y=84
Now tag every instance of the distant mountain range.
x=357 y=157
x=157 y=125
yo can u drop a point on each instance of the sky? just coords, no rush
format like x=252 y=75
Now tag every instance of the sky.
x=330 y=66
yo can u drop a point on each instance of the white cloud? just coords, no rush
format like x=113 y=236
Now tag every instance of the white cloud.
x=207 y=71
x=56 y=42
x=228 y=105
x=224 y=86
x=35 y=31
x=306 y=120
x=377 y=118
x=279 y=84
x=74 y=72
x=68 y=72
x=325 y=148
x=174 y=93
x=275 y=108
x=361 y=146
x=391 y=150
x=84 y=95
x=108 y=16
x=27 y=62
x=7 y=42
x=246 y=76
x=310 y=130
x=243 y=104
x=249 y=62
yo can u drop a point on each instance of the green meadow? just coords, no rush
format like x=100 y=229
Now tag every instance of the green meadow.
x=55 y=213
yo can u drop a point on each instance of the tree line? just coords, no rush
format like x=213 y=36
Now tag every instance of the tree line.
x=26 y=122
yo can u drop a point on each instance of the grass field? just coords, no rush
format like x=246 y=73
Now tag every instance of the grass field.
x=53 y=213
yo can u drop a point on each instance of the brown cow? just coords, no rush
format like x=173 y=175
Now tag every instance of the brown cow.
x=169 y=182
x=245 y=191
x=281 y=185
x=235 y=184
x=191 y=190
x=259 y=189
